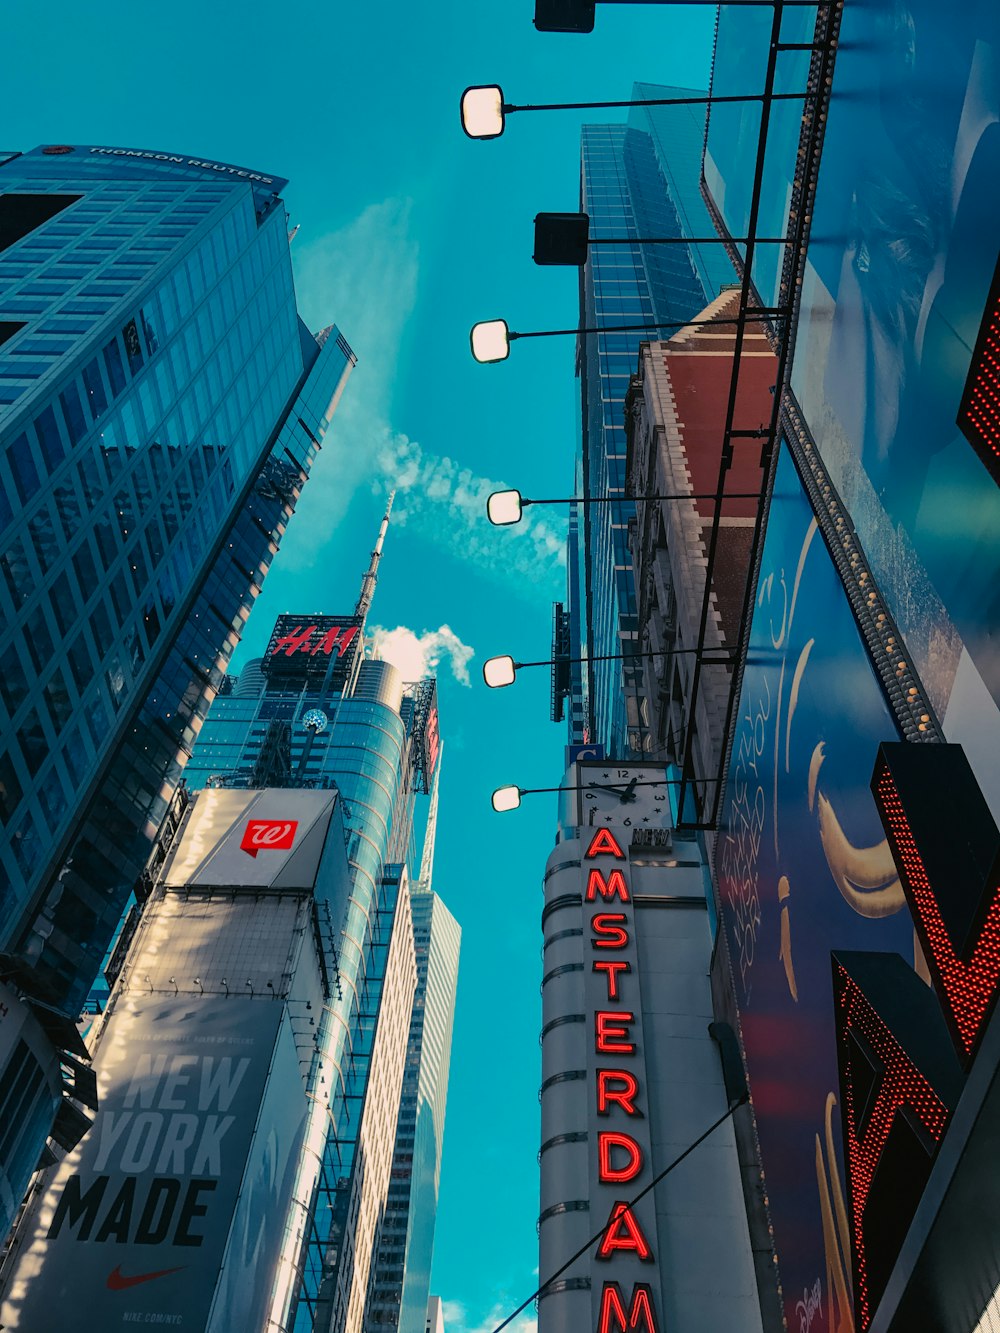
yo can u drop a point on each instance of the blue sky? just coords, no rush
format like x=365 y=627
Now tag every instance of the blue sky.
x=409 y=234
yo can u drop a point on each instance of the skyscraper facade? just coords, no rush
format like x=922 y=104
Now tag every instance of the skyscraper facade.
x=629 y=194
x=403 y=1266
x=315 y=712
x=161 y=405
x=372 y=747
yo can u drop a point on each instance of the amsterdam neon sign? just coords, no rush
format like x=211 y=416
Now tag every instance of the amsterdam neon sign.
x=620 y=1157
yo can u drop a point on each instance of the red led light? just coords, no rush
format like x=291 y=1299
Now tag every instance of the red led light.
x=612 y=966
x=622 y=1232
x=612 y=887
x=604 y=844
x=623 y=1095
x=979 y=412
x=607 y=1172
x=969 y=987
x=640 y=1317
x=610 y=926
x=902 y=1086
x=611 y=1032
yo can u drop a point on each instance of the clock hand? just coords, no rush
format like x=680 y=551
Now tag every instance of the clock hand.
x=629 y=793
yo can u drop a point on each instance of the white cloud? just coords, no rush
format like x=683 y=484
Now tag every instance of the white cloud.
x=364 y=277
x=419 y=655
x=456 y=1319
x=446 y=503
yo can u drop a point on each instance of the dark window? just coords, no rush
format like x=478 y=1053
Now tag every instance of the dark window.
x=116 y=370
x=75 y=419
x=80 y=662
x=75 y=753
x=22 y=213
x=17 y=572
x=57 y=699
x=53 y=449
x=86 y=570
x=31 y=738
x=8 y=327
x=121 y=597
x=13 y=681
x=23 y=467
x=36 y=631
x=68 y=507
x=65 y=606
x=97 y=398
x=53 y=798
x=10 y=789
x=45 y=538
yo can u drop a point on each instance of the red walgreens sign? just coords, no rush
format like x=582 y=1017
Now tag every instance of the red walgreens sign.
x=269 y=835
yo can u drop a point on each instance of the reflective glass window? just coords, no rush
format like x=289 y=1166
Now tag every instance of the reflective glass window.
x=39 y=639
x=86 y=570
x=13 y=679
x=17 y=571
x=75 y=420
x=22 y=465
x=31 y=739
x=97 y=398
x=10 y=788
x=116 y=369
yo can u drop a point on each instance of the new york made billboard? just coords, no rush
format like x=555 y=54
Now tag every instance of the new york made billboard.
x=802 y=868
x=133 y=1227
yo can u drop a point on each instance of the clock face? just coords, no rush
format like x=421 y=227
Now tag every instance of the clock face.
x=624 y=795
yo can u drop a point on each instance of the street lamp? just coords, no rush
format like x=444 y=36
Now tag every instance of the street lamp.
x=490 y=339
x=578 y=15
x=504 y=508
x=484 y=112
x=501 y=671
x=564 y=238
x=507 y=798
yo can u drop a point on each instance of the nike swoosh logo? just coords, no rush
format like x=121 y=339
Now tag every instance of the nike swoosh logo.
x=118 y=1282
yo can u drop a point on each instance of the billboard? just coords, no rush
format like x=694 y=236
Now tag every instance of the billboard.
x=803 y=867
x=134 y=1224
x=314 y=647
x=902 y=253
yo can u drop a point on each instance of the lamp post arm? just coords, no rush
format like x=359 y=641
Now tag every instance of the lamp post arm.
x=509 y=107
x=634 y=657
x=758 y=312
x=633 y=499
x=686 y=240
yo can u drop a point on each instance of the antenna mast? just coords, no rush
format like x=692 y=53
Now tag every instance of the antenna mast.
x=371 y=576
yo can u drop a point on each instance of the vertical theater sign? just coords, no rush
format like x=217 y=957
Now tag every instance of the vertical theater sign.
x=620 y=1165
x=631 y=1077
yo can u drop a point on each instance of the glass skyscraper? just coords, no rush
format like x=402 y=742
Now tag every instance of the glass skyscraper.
x=161 y=404
x=315 y=712
x=639 y=180
x=403 y=1265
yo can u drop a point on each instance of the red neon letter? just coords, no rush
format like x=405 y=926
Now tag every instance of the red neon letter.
x=611 y=1029
x=612 y=966
x=339 y=637
x=640 y=1318
x=604 y=842
x=296 y=642
x=623 y=1232
x=624 y=1095
x=617 y=1175
x=613 y=886
x=608 y=925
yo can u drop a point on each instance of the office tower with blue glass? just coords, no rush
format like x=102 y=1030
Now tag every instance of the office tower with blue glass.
x=400 y=1297
x=161 y=405
x=639 y=182
x=316 y=712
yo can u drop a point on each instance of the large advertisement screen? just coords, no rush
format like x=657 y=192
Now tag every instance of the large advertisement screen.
x=903 y=247
x=133 y=1227
x=802 y=868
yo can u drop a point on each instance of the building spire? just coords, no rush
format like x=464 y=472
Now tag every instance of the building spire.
x=430 y=833
x=371 y=576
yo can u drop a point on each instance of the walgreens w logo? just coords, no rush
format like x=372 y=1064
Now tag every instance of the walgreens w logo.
x=271 y=835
